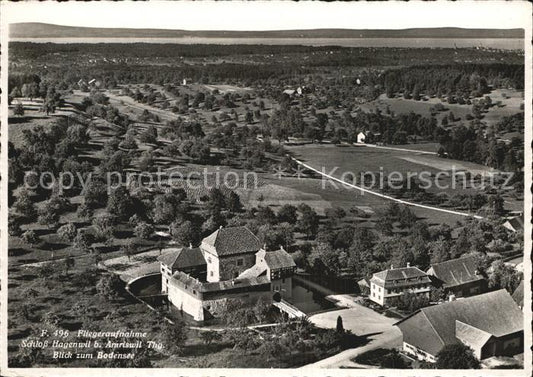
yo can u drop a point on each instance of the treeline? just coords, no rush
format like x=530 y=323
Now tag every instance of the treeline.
x=465 y=80
x=319 y=55
x=147 y=50
x=472 y=144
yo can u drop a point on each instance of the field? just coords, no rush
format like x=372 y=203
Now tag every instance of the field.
x=510 y=104
x=352 y=160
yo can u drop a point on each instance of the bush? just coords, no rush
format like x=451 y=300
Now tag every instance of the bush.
x=110 y=286
x=457 y=356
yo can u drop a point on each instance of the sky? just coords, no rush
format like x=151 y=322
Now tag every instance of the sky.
x=262 y=15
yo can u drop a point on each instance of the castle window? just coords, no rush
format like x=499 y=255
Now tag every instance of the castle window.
x=240 y=262
x=211 y=273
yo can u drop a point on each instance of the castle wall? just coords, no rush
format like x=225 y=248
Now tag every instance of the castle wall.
x=217 y=306
x=186 y=299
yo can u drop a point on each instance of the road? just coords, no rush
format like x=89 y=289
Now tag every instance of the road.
x=362 y=189
x=361 y=321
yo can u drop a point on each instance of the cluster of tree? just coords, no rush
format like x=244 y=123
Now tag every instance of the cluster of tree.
x=399 y=238
x=460 y=80
x=472 y=144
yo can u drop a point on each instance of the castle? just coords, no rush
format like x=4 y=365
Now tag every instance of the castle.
x=228 y=264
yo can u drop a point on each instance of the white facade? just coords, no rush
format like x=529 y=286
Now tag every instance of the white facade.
x=418 y=353
x=361 y=137
x=382 y=296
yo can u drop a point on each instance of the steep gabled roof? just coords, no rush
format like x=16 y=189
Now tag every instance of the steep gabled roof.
x=515 y=223
x=456 y=271
x=183 y=257
x=278 y=259
x=255 y=271
x=233 y=240
x=493 y=313
x=470 y=335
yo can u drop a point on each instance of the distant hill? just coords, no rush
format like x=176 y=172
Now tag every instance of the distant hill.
x=42 y=30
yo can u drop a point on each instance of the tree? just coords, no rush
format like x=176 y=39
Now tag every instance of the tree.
x=216 y=201
x=18 y=110
x=120 y=203
x=185 y=233
x=30 y=237
x=167 y=207
x=233 y=202
x=393 y=360
x=110 y=286
x=95 y=194
x=323 y=259
x=340 y=327
x=13 y=226
x=143 y=230
x=69 y=263
x=287 y=214
x=504 y=277
x=265 y=215
x=48 y=215
x=308 y=222
x=67 y=232
x=24 y=205
x=174 y=336
x=129 y=249
x=457 y=356
x=83 y=240
x=104 y=227
x=149 y=135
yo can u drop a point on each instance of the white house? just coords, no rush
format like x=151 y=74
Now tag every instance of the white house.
x=392 y=283
x=361 y=137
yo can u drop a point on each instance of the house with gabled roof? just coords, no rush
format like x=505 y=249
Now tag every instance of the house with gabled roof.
x=394 y=282
x=459 y=276
x=491 y=324
x=229 y=264
x=190 y=260
x=514 y=224
x=228 y=252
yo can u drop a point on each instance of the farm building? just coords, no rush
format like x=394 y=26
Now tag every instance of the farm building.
x=491 y=324
x=459 y=276
x=229 y=264
x=514 y=224
x=389 y=284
